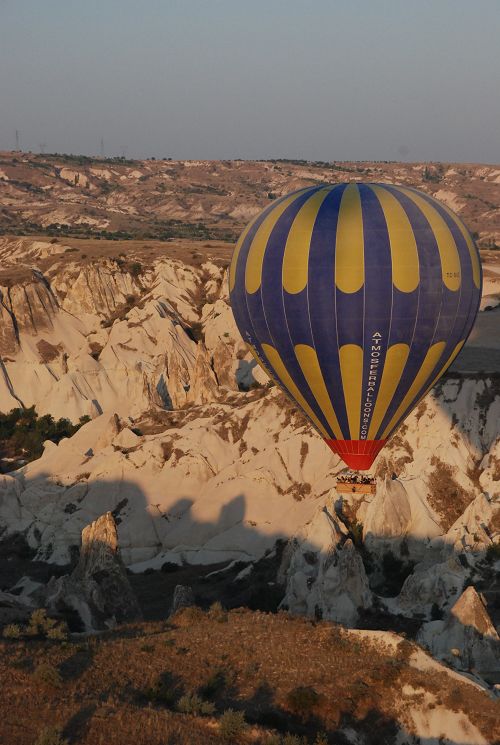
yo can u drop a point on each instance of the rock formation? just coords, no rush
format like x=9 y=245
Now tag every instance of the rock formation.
x=478 y=527
x=98 y=589
x=326 y=578
x=94 y=340
x=432 y=584
x=14 y=609
x=467 y=637
x=183 y=598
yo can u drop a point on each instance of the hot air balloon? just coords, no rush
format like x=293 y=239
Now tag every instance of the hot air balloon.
x=355 y=298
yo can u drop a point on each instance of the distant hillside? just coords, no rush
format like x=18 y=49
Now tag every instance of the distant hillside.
x=80 y=196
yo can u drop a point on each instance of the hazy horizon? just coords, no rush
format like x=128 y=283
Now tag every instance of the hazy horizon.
x=219 y=80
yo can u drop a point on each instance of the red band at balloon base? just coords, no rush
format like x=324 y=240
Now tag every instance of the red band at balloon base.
x=357 y=454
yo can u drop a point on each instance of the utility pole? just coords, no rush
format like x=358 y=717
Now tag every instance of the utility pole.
x=42 y=146
x=18 y=139
x=102 y=148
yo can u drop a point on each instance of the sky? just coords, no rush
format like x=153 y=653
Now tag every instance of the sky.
x=325 y=80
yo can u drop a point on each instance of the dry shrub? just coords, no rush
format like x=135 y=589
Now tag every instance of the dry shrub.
x=51 y=736
x=48 y=675
x=59 y=632
x=232 y=725
x=290 y=739
x=12 y=631
x=193 y=704
x=167 y=449
x=47 y=351
x=339 y=637
x=40 y=624
x=83 y=476
x=214 y=685
x=300 y=491
x=495 y=468
x=303 y=700
x=405 y=650
x=164 y=691
x=218 y=613
x=274 y=739
x=321 y=739
x=446 y=496
x=188 y=616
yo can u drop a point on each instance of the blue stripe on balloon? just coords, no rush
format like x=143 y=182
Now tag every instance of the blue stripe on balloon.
x=378 y=299
x=404 y=313
x=297 y=316
x=350 y=316
x=450 y=307
x=321 y=301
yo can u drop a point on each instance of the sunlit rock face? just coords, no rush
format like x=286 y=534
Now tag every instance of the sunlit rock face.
x=466 y=638
x=87 y=340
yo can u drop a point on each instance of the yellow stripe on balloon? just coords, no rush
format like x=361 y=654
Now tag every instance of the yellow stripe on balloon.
x=445 y=366
x=428 y=365
x=298 y=243
x=442 y=370
x=255 y=258
x=236 y=253
x=309 y=364
x=351 y=370
x=275 y=361
x=263 y=365
x=448 y=251
x=404 y=252
x=476 y=269
x=349 y=245
x=395 y=362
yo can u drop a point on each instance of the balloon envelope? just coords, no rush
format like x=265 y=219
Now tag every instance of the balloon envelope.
x=355 y=298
